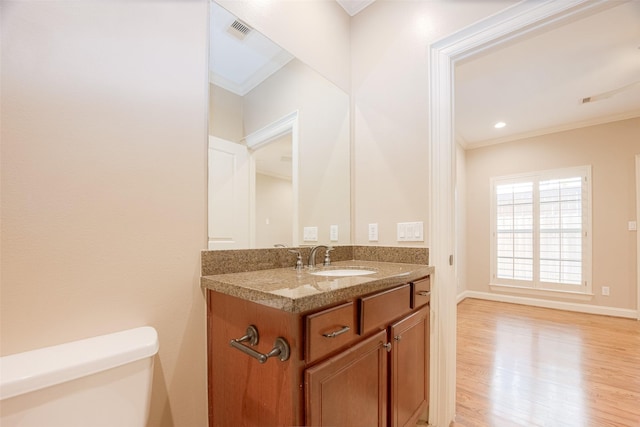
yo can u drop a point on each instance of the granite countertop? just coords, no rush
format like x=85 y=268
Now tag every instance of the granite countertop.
x=296 y=292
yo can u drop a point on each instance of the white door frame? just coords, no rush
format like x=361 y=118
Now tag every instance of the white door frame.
x=512 y=23
x=637 y=238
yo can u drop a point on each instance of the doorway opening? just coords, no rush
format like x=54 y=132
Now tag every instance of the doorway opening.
x=273 y=184
x=524 y=18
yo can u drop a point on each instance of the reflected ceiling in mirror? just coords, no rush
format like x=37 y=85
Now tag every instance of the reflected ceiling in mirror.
x=257 y=89
x=275 y=159
x=241 y=57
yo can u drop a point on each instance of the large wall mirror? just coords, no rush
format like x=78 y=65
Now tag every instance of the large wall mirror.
x=279 y=145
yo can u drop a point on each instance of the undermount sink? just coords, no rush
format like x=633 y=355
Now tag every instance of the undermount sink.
x=343 y=272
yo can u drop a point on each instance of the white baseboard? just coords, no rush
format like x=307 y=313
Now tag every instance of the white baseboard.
x=461 y=296
x=559 y=305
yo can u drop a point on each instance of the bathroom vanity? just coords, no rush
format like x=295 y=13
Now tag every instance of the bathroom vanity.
x=357 y=347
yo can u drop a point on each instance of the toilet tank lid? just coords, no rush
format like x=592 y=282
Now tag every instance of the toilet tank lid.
x=44 y=367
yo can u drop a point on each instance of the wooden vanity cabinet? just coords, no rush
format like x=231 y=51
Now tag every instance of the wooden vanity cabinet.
x=360 y=363
x=383 y=380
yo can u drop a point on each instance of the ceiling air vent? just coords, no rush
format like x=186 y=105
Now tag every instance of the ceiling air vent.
x=239 y=29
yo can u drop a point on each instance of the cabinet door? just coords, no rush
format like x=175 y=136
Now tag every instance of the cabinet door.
x=350 y=389
x=409 y=369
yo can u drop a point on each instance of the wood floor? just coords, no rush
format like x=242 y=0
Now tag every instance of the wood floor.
x=529 y=366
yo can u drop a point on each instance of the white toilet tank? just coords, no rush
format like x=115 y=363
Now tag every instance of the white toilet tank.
x=102 y=381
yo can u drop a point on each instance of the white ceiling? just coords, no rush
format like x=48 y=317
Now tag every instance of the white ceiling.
x=537 y=85
x=274 y=159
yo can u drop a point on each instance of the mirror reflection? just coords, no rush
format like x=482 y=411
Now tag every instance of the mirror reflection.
x=279 y=150
x=274 y=193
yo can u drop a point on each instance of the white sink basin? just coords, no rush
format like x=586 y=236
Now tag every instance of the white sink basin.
x=342 y=272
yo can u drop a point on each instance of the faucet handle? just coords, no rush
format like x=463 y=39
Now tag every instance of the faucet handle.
x=327 y=256
x=299 y=265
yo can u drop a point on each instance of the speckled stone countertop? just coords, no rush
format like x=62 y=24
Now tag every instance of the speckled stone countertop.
x=296 y=292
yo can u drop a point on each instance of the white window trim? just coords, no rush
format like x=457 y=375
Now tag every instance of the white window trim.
x=583 y=291
x=582 y=296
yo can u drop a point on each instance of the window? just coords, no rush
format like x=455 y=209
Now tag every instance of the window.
x=540 y=230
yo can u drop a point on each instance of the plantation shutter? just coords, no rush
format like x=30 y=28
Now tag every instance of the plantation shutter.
x=561 y=230
x=514 y=231
x=541 y=230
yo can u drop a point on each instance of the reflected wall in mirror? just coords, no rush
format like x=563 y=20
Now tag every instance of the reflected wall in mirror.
x=279 y=144
x=274 y=193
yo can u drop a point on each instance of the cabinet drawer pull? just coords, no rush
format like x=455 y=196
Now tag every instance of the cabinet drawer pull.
x=423 y=293
x=340 y=331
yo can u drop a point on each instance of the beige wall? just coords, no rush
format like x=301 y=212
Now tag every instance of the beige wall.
x=225 y=114
x=389 y=42
x=103 y=163
x=611 y=150
x=273 y=211
x=103 y=182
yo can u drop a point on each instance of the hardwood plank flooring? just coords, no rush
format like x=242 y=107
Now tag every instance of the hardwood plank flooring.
x=528 y=366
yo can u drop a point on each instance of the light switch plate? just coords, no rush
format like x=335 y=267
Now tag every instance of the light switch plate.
x=310 y=234
x=402 y=231
x=410 y=231
x=633 y=226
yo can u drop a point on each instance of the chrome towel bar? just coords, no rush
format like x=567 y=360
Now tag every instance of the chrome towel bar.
x=280 y=346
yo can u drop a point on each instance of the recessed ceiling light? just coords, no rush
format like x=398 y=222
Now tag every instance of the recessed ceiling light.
x=499 y=125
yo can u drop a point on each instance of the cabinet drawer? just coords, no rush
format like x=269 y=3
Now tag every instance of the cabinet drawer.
x=329 y=330
x=379 y=309
x=421 y=294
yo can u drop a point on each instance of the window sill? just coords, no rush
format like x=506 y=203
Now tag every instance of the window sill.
x=582 y=296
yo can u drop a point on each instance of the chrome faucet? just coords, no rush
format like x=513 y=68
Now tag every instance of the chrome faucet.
x=299 y=266
x=312 y=255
